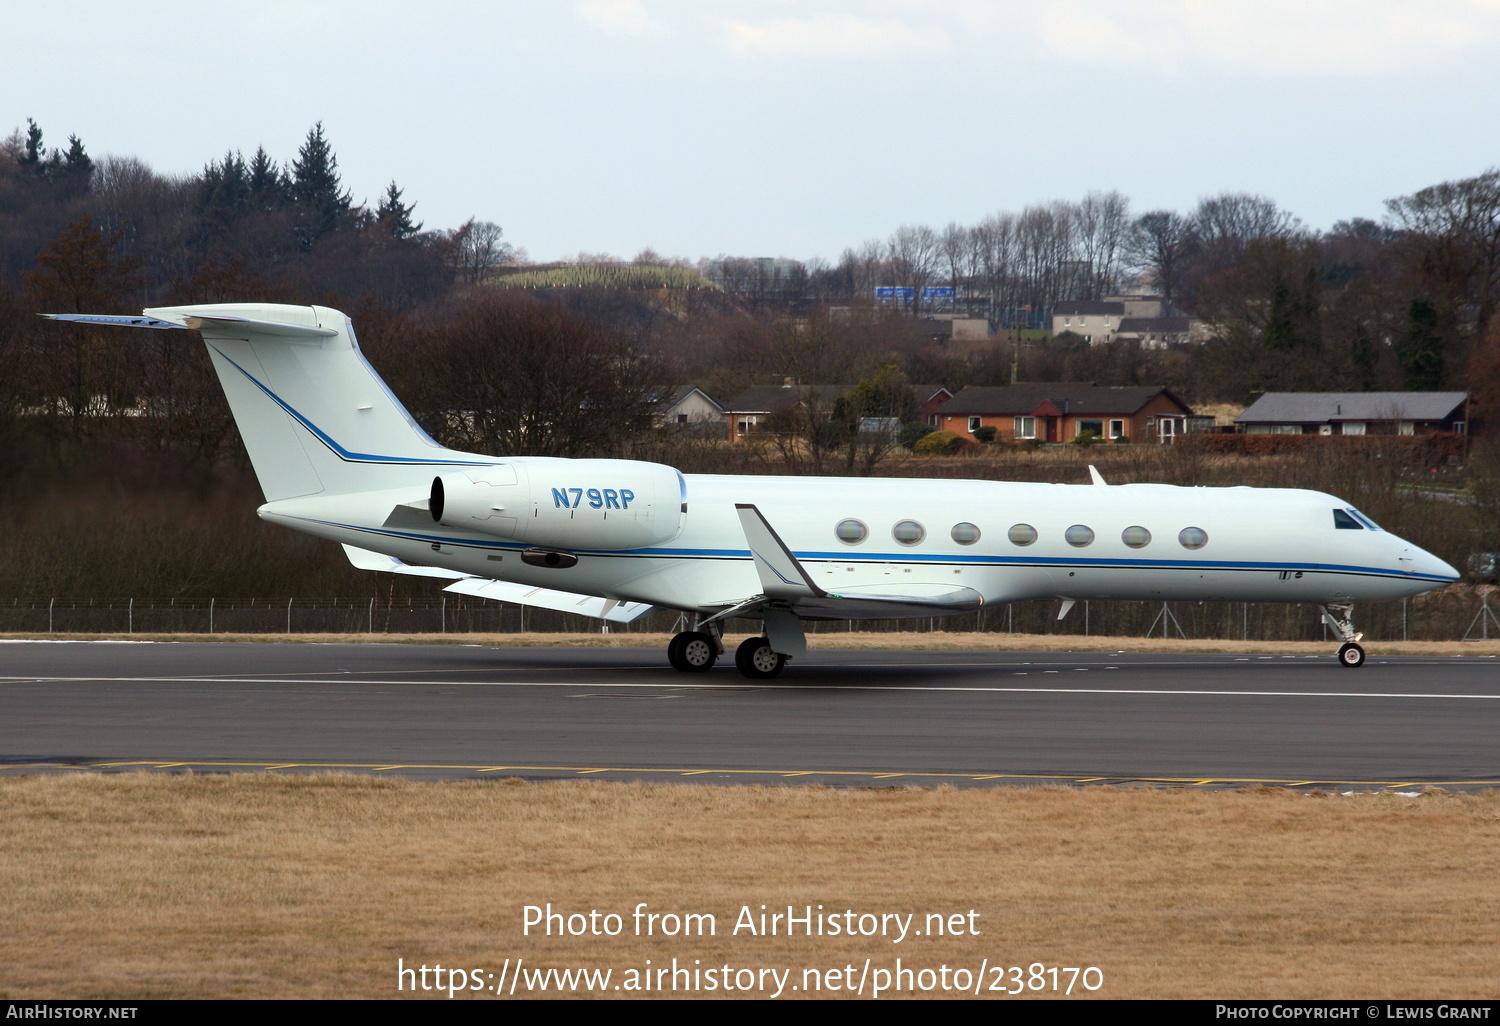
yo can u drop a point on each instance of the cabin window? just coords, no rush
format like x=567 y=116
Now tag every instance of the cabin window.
x=1022 y=534
x=1193 y=537
x=1078 y=536
x=965 y=534
x=851 y=531
x=1136 y=537
x=908 y=532
x=1344 y=522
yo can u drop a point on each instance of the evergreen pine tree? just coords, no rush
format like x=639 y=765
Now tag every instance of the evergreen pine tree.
x=34 y=149
x=1420 y=348
x=394 y=215
x=316 y=189
x=264 y=182
x=75 y=169
x=223 y=192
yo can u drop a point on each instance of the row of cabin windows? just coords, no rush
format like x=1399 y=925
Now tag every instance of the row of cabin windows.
x=909 y=532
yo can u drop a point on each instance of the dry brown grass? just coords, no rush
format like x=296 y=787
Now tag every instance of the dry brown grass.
x=834 y=641
x=266 y=886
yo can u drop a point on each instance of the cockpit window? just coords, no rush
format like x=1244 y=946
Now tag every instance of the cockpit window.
x=1344 y=522
x=1357 y=515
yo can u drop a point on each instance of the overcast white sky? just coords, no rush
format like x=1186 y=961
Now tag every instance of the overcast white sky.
x=779 y=127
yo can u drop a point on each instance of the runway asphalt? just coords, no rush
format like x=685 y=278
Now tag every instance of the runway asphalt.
x=856 y=718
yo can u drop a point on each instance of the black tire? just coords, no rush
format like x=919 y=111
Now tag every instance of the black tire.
x=757 y=660
x=692 y=652
x=1351 y=655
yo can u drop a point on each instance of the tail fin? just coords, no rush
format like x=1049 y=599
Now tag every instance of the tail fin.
x=314 y=415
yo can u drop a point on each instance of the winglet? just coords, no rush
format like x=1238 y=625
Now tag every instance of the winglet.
x=781 y=576
x=1094 y=476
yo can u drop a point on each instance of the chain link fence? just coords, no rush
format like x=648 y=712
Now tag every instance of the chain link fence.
x=1460 y=612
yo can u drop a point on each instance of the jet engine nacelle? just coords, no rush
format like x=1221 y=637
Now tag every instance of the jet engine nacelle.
x=566 y=504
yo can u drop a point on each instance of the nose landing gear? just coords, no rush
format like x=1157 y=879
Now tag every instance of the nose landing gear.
x=1339 y=617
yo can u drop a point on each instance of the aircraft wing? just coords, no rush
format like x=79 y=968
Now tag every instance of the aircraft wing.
x=781 y=575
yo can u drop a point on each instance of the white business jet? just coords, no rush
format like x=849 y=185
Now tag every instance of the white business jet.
x=339 y=457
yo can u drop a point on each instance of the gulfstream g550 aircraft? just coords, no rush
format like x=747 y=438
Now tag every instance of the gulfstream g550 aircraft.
x=339 y=457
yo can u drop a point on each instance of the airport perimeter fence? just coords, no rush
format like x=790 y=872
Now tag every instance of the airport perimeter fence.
x=1459 y=612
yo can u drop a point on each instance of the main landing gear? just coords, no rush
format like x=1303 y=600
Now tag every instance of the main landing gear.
x=1339 y=617
x=756 y=659
x=697 y=651
x=694 y=651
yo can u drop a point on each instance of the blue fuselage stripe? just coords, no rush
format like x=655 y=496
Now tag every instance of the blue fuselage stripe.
x=333 y=446
x=963 y=559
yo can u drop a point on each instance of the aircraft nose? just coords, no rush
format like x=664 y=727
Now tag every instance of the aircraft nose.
x=1420 y=561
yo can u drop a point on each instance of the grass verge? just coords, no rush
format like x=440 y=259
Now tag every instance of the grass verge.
x=152 y=886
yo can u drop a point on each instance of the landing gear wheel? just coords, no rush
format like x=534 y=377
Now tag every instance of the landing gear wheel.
x=1351 y=655
x=756 y=659
x=692 y=652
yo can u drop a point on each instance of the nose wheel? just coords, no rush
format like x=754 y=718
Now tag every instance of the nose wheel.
x=1339 y=616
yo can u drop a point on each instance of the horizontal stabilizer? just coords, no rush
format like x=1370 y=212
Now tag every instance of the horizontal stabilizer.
x=612 y=610
x=222 y=325
x=116 y=320
x=246 y=327
x=364 y=559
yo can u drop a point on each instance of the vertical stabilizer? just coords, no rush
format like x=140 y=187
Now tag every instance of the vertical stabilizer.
x=314 y=415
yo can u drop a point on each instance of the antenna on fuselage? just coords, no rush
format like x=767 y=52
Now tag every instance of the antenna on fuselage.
x=1095 y=477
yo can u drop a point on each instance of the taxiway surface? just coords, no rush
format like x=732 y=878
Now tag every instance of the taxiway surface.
x=858 y=718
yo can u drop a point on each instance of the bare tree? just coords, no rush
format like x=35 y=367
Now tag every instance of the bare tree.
x=960 y=261
x=1102 y=221
x=914 y=252
x=1045 y=245
x=1158 y=245
x=995 y=245
x=478 y=250
x=511 y=375
x=1456 y=228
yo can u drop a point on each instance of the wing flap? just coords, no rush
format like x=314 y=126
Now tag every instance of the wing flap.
x=612 y=610
x=364 y=559
x=890 y=602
